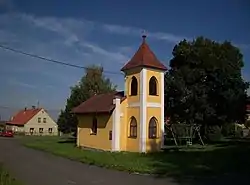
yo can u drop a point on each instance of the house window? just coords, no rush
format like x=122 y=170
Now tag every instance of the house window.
x=94 y=126
x=134 y=87
x=39 y=120
x=133 y=128
x=153 y=86
x=152 y=130
x=31 y=131
x=40 y=130
x=110 y=135
x=50 y=130
x=44 y=120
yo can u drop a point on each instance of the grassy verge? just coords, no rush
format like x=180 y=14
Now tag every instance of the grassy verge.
x=5 y=178
x=132 y=162
x=226 y=158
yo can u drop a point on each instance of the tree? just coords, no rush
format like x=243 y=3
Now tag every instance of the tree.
x=204 y=84
x=93 y=82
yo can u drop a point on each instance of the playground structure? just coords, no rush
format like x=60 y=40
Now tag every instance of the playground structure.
x=183 y=132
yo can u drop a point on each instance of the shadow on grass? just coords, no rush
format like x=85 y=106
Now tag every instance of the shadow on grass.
x=68 y=140
x=226 y=162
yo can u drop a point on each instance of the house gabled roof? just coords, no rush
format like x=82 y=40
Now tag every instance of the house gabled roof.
x=144 y=57
x=102 y=103
x=23 y=116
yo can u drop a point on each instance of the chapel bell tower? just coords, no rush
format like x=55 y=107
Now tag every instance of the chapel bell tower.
x=144 y=89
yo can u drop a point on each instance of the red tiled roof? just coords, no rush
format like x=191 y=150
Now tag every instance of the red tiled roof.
x=23 y=116
x=102 y=103
x=144 y=57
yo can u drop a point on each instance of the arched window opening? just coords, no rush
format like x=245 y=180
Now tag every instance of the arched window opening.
x=134 y=87
x=133 y=128
x=153 y=86
x=152 y=131
x=94 y=126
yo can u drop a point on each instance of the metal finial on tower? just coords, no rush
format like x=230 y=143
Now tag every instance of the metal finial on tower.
x=144 y=35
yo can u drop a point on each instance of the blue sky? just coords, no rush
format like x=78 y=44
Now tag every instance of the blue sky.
x=101 y=32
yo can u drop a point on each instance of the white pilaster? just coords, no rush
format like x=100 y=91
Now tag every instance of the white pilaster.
x=125 y=85
x=162 y=109
x=143 y=110
x=116 y=125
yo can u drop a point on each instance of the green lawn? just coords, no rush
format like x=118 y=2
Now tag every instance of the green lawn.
x=5 y=178
x=225 y=158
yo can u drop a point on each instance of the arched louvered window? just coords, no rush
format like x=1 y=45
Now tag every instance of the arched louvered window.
x=133 y=127
x=152 y=130
x=134 y=87
x=153 y=86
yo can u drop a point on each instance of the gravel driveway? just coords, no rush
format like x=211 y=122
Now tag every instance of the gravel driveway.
x=39 y=168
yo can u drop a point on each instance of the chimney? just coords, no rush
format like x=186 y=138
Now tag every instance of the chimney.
x=33 y=107
x=25 y=108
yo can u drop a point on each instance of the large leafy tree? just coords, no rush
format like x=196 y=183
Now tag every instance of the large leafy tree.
x=204 y=84
x=93 y=82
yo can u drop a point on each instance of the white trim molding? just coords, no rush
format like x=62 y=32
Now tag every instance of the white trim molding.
x=148 y=104
x=153 y=105
x=162 y=109
x=155 y=70
x=143 y=109
x=116 y=125
x=134 y=104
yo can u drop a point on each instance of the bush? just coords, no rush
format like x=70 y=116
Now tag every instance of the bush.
x=214 y=133
x=247 y=124
x=228 y=129
x=238 y=132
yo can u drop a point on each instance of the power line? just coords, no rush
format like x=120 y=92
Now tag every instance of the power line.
x=51 y=60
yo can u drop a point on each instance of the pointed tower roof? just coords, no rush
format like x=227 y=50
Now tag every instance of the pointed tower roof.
x=144 y=57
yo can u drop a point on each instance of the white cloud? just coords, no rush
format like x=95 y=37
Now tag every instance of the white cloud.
x=117 y=56
x=122 y=30
x=73 y=33
x=168 y=37
x=68 y=28
x=62 y=39
x=132 y=31
x=73 y=30
x=15 y=82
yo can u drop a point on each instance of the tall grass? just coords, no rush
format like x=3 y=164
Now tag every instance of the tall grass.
x=5 y=178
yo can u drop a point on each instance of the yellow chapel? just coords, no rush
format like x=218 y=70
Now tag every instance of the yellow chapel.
x=132 y=120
